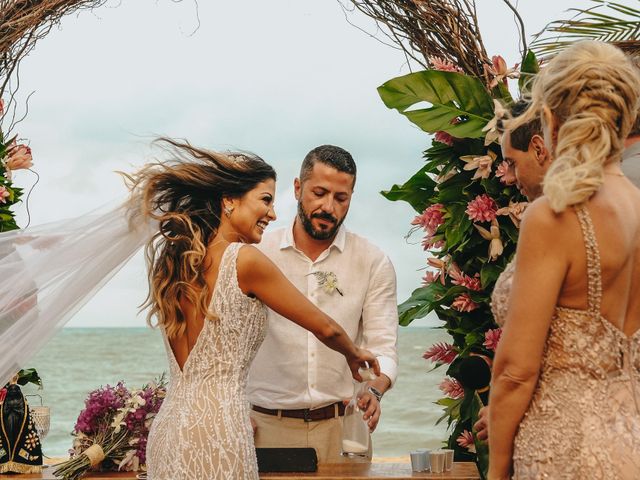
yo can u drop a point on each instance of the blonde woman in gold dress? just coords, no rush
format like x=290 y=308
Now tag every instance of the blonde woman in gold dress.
x=566 y=377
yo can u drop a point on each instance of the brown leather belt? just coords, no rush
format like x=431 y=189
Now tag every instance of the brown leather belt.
x=322 y=413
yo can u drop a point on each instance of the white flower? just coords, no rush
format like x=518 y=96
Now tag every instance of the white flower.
x=328 y=281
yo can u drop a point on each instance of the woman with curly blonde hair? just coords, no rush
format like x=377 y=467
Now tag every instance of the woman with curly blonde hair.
x=209 y=291
x=565 y=396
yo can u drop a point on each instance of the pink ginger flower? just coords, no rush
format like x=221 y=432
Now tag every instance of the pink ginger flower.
x=444 y=65
x=451 y=388
x=483 y=208
x=500 y=72
x=506 y=174
x=1 y=106
x=441 y=353
x=465 y=440
x=472 y=283
x=430 y=277
x=4 y=194
x=443 y=137
x=431 y=218
x=19 y=157
x=464 y=303
x=3 y=394
x=491 y=338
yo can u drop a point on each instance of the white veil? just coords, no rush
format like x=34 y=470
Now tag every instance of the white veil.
x=48 y=272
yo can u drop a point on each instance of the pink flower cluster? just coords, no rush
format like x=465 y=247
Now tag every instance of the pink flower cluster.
x=430 y=220
x=99 y=408
x=451 y=388
x=19 y=157
x=441 y=352
x=465 y=440
x=458 y=277
x=464 y=303
x=444 y=137
x=506 y=173
x=491 y=338
x=4 y=194
x=444 y=65
x=483 y=208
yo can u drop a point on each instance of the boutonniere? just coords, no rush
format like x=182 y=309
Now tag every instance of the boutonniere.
x=328 y=281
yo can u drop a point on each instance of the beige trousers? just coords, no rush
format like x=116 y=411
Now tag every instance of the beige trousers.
x=323 y=435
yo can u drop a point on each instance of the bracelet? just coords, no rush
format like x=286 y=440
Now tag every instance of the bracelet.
x=376 y=393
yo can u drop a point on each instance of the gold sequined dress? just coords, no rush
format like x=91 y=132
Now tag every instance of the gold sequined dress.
x=583 y=421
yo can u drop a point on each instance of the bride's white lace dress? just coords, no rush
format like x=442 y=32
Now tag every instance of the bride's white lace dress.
x=203 y=429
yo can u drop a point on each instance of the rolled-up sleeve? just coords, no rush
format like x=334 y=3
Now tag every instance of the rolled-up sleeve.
x=380 y=317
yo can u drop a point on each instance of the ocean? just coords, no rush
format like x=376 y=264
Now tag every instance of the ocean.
x=78 y=360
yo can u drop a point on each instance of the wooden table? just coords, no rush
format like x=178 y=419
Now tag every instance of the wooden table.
x=329 y=471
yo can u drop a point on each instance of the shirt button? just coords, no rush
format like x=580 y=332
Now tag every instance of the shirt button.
x=313 y=385
x=313 y=355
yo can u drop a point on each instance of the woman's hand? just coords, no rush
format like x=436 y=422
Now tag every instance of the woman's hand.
x=361 y=358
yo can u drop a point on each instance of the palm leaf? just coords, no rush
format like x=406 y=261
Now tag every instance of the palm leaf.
x=605 y=21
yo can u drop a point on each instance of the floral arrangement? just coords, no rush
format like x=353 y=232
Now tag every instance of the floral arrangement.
x=112 y=429
x=13 y=156
x=468 y=213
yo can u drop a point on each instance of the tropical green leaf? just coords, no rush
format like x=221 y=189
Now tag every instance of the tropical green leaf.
x=620 y=23
x=416 y=191
x=459 y=104
x=420 y=303
x=528 y=71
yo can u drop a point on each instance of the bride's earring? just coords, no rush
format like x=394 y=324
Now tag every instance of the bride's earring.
x=228 y=210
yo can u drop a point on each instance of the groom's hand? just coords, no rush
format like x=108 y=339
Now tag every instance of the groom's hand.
x=370 y=405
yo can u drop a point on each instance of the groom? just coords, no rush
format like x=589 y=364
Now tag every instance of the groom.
x=296 y=385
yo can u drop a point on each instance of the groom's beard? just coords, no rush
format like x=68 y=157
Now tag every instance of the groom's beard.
x=314 y=232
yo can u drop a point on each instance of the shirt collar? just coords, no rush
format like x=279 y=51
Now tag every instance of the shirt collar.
x=338 y=241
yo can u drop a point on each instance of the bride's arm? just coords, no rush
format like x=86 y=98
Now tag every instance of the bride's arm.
x=541 y=265
x=260 y=277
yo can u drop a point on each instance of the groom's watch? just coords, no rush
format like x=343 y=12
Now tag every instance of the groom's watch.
x=376 y=393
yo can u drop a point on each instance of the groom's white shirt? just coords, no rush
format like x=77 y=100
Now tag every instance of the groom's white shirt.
x=293 y=369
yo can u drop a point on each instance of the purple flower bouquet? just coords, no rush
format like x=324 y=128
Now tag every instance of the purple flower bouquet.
x=112 y=429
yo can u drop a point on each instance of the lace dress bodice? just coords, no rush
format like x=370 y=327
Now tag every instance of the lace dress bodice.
x=203 y=428
x=584 y=418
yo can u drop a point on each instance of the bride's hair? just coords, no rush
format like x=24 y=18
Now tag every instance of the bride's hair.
x=592 y=89
x=184 y=194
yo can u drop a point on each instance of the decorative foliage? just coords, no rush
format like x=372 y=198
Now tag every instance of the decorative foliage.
x=468 y=209
x=441 y=34
x=606 y=21
x=13 y=156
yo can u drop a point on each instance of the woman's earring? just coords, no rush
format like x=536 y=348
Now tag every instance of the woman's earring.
x=227 y=211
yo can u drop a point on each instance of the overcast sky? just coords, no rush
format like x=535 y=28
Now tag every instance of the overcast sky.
x=277 y=78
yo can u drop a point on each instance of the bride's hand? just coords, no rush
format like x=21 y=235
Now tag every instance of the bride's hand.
x=362 y=358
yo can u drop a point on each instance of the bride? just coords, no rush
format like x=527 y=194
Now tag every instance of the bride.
x=209 y=290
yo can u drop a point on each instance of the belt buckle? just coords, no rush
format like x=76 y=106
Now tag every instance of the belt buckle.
x=306 y=415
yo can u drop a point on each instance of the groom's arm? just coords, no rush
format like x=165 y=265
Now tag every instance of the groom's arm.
x=380 y=333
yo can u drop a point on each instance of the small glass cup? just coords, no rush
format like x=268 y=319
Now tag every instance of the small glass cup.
x=437 y=461
x=419 y=461
x=448 y=459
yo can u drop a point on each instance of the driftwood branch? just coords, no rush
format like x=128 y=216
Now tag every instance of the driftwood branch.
x=22 y=24
x=432 y=29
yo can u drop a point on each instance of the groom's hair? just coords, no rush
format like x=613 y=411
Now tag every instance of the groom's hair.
x=330 y=155
x=521 y=136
